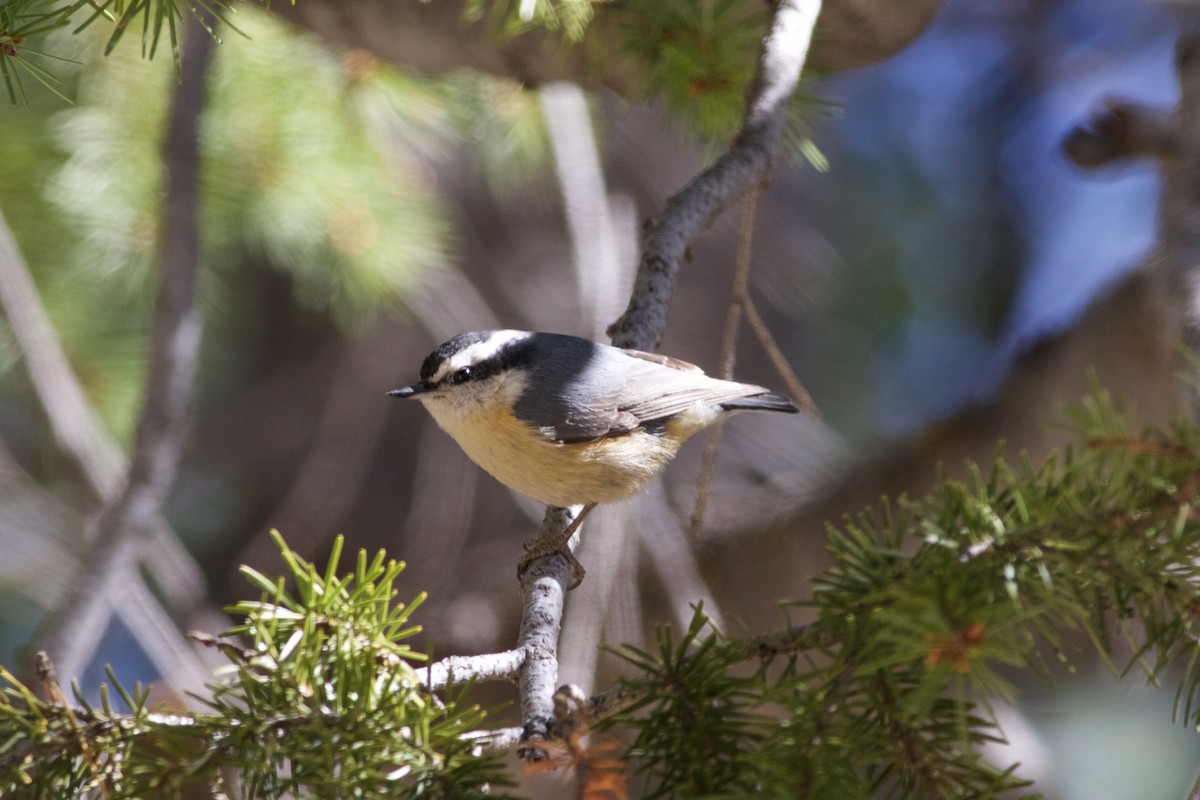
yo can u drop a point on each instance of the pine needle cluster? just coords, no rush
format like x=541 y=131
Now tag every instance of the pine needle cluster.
x=929 y=613
x=23 y=20
x=321 y=698
x=699 y=57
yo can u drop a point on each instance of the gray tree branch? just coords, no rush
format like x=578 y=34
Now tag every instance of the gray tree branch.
x=543 y=587
x=121 y=528
x=503 y=666
x=747 y=163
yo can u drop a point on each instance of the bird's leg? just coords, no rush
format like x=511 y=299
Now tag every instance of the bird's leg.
x=540 y=546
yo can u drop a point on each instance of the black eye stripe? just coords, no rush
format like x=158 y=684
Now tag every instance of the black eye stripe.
x=473 y=372
x=447 y=350
x=515 y=353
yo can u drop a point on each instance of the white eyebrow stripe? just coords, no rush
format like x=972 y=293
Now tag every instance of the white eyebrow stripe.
x=479 y=352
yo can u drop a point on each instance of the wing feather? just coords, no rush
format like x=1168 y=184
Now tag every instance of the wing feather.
x=662 y=391
x=624 y=390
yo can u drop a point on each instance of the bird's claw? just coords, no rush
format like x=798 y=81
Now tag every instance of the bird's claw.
x=538 y=547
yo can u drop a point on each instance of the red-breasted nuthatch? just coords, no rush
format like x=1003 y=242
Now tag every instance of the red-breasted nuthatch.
x=567 y=421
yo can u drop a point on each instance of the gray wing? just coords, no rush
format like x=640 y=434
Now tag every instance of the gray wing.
x=579 y=389
x=657 y=389
x=614 y=391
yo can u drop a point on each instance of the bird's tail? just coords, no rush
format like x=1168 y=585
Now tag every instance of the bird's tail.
x=768 y=401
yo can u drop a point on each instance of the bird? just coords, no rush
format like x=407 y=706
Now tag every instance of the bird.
x=567 y=421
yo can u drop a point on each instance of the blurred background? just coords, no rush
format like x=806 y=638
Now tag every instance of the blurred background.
x=940 y=280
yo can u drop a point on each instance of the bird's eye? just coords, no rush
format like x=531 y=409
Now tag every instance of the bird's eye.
x=462 y=375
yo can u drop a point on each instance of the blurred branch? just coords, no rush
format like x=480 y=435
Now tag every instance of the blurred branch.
x=673 y=558
x=441 y=37
x=1123 y=130
x=78 y=432
x=96 y=458
x=322 y=490
x=1179 y=224
x=611 y=555
x=158 y=634
x=600 y=284
x=121 y=528
x=35 y=527
x=435 y=532
x=451 y=304
x=585 y=198
x=746 y=164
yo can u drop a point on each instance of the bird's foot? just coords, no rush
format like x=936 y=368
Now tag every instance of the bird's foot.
x=540 y=546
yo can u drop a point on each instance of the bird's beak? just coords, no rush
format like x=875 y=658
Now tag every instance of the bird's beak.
x=416 y=390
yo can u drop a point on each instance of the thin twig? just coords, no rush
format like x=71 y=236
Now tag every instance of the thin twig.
x=797 y=391
x=740 y=292
x=121 y=527
x=766 y=646
x=503 y=666
x=733 y=317
x=576 y=713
